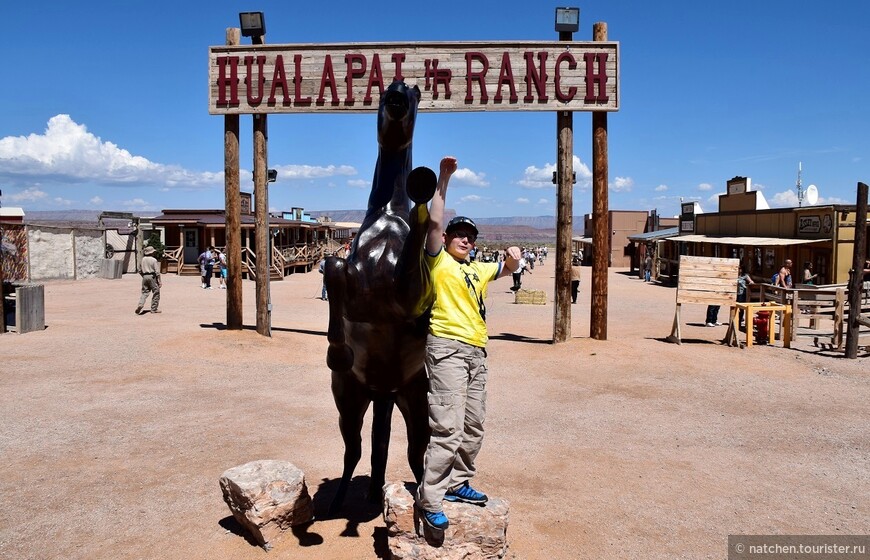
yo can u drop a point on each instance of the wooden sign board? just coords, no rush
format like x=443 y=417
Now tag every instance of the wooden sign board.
x=707 y=280
x=472 y=76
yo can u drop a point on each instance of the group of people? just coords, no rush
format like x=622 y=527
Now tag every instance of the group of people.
x=782 y=278
x=149 y=269
x=207 y=261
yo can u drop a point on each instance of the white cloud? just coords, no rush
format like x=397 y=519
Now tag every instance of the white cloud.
x=469 y=177
x=705 y=187
x=789 y=199
x=96 y=201
x=471 y=198
x=67 y=152
x=543 y=201
x=522 y=200
x=541 y=177
x=661 y=188
x=832 y=200
x=58 y=201
x=784 y=199
x=622 y=184
x=302 y=172
x=359 y=183
x=30 y=194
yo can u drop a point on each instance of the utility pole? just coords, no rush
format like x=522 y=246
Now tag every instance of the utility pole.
x=600 y=214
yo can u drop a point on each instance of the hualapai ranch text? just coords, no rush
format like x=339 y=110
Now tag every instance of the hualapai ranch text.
x=560 y=76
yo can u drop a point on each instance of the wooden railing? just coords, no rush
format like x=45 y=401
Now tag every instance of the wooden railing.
x=249 y=262
x=278 y=262
x=174 y=255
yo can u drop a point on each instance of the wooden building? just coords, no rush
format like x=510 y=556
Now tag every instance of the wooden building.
x=763 y=238
x=297 y=242
x=624 y=250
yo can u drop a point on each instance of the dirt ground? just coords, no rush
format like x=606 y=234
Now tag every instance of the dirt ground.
x=116 y=428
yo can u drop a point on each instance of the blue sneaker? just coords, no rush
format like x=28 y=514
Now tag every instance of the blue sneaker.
x=435 y=519
x=467 y=494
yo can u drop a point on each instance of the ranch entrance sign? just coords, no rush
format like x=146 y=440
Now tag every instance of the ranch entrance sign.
x=350 y=77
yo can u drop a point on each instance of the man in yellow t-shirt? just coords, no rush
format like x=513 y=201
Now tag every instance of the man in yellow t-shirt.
x=455 y=357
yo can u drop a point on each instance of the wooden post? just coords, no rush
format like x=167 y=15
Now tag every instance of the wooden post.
x=261 y=204
x=564 y=219
x=2 y=295
x=232 y=210
x=856 y=276
x=600 y=222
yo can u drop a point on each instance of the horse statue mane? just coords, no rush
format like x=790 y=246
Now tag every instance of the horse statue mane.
x=379 y=300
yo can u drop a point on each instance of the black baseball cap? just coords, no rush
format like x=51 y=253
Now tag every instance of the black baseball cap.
x=460 y=221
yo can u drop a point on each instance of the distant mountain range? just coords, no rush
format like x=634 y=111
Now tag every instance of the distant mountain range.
x=533 y=222
x=521 y=230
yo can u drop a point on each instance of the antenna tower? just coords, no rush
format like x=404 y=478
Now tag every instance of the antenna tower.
x=800 y=192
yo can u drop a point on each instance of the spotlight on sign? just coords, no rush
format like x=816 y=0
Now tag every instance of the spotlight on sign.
x=253 y=24
x=567 y=20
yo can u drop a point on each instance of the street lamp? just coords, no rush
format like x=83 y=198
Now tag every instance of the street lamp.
x=253 y=26
x=567 y=20
x=271 y=175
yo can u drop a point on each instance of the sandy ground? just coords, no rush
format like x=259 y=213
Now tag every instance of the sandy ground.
x=116 y=428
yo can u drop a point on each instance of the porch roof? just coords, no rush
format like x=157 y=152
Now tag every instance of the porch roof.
x=754 y=241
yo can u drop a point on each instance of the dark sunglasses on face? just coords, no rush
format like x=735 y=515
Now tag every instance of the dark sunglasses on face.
x=469 y=236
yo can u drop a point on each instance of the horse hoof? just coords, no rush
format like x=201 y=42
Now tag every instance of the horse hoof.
x=421 y=185
x=339 y=358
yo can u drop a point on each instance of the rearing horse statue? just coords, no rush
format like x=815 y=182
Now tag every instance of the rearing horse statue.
x=379 y=300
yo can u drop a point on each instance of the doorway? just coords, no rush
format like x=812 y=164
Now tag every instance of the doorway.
x=191 y=245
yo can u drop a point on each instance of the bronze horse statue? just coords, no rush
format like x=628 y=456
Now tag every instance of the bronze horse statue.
x=379 y=301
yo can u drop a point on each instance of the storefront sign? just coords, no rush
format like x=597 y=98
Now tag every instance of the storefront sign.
x=809 y=224
x=304 y=78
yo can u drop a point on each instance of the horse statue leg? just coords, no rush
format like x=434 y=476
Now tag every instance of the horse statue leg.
x=413 y=404
x=351 y=398
x=339 y=356
x=352 y=401
x=381 y=426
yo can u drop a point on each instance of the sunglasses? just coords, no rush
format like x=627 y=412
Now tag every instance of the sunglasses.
x=469 y=236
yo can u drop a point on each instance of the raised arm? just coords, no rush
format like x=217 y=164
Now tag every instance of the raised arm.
x=511 y=261
x=436 y=207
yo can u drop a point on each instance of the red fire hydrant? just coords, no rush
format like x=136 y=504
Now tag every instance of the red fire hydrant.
x=762 y=324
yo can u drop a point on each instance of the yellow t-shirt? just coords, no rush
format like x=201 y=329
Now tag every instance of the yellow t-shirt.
x=460 y=292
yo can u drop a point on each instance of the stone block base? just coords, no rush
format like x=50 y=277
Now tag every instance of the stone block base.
x=475 y=532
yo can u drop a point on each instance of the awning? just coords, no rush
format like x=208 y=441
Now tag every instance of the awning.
x=584 y=240
x=654 y=235
x=754 y=241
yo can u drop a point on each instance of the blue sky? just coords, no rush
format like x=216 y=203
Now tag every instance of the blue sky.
x=104 y=105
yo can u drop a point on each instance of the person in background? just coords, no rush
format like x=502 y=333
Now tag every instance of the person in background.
x=575 y=278
x=647 y=268
x=150 y=271
x=783 y=277
x=455 y=357
x=809 y=276
x=206 y=266
x=518 y=274
x=222 y=263
x=712 y=316
x=320 y=268
x=743 y=280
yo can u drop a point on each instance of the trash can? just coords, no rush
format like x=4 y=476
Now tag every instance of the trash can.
x=762 y=326
x=24 y=308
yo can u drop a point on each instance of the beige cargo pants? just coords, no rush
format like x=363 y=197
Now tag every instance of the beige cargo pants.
x=457 y=408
